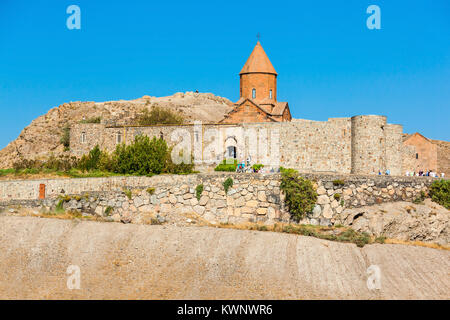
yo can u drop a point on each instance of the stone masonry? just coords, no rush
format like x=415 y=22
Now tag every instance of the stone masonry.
x=252 y=198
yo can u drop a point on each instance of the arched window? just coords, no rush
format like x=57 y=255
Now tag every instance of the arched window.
x=119 y=137
x=270 y=94
x=83 y=137
x=253 y=93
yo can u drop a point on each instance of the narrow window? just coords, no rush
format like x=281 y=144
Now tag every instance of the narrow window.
x=253 y=93
x=119 y=138
x=270 y=94
x=83 y=137
x=196 y=136
x=417 y=156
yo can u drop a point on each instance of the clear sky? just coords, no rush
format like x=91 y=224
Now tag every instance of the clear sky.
x=329 y=63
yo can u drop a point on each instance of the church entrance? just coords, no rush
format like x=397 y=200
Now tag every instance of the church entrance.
x=232 y=152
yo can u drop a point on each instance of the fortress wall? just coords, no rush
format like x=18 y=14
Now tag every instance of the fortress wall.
x=394 y=146
x=311 y=146
x=368 y=144
x=361 y=145
x=443 y=157
x=253 y=197
x=409 y=162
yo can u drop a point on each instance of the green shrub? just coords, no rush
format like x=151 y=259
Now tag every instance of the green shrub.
x=181 y=168
x=142 y=157
x=420 y=198
x=380 y=239
x=108 y=210
x=91 y=161
x=440 y=192
x=92 y=120
x=338 y=182
x=337 y=196
x=257 y=166
x=300 y=196
x=65 y=138
x=351 y=235
x=150 y=191
x=228 y=167
x=227 y=184
x=199 y=191
x=60 y=206
x=158 y=115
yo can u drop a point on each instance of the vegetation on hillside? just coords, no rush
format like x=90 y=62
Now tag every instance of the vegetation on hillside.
x=142 y=157
x=158 y=115
x=440 y=192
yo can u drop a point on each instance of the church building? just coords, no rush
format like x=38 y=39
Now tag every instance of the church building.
x=258 y=92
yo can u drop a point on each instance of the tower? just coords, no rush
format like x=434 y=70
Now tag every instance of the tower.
x=258 y=78
x=258 y=92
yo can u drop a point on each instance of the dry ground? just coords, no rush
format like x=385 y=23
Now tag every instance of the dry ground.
x=166 y=262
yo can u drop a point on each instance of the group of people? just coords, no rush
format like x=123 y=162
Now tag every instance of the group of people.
x=421 y=173
x=387 y=172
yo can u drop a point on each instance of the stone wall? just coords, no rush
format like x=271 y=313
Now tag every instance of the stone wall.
x=362 y=145
x=253 y=197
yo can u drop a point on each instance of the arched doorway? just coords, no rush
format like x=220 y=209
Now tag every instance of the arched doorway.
x=231 y=152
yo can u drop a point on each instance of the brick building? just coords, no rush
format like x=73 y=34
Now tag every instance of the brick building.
x=423 y=154
x=258 y=92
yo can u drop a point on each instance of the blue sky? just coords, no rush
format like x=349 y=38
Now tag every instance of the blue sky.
x=329 y=63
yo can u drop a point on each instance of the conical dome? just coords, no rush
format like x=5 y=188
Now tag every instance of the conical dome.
x=258 y=62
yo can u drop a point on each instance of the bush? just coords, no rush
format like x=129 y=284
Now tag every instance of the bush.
x=257 y=166
x=143 y=157
x=199 y=191
x=180 y=168
x=90 y=161
x=61 y=163
x=440 y=192
x=158 y=115
x=92 y=120
x=337 y=196
x=228 y=167
x=150 y=190
x=227 y=184
x=65 y=138
x=300 y=194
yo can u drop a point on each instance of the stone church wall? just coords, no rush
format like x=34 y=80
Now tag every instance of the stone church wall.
x=360 y=145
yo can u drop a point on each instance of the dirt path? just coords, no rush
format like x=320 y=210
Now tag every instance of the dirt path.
x=166 y=262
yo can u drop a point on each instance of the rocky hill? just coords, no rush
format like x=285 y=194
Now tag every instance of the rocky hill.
x=43 y=136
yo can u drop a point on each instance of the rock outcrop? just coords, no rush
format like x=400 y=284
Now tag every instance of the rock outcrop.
x=43 y=136
x=428 y=222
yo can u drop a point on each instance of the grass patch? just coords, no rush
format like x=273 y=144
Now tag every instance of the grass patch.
x=339 y=234
x=338 y=182
x=128 y=193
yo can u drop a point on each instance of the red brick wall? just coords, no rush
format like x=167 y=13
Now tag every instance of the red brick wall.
x=427 y=154
x=262 y=82
x=247 y=112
